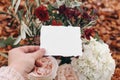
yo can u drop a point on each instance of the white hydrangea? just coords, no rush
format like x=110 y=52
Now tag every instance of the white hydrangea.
x=96 y=62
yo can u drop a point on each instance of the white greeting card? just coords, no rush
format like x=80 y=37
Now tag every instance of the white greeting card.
x=61 y=41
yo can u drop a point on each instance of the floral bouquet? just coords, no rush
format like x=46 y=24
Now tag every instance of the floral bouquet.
x=28 y=16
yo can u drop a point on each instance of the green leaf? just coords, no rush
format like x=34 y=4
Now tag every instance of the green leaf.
x=78 y=22
x=33 y=28
x=65 y=60
x=9 y=41
x=97 y=36
x=38 y=3
x=13 y=2
x=20 y=14
x=30 y=9
x=50 y=7
x=2 y=43
x=12 y=22
x=27 y=4
x=30 y=21
x=17 y=5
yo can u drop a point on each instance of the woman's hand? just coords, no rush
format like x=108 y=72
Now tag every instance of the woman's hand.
x=22 y=59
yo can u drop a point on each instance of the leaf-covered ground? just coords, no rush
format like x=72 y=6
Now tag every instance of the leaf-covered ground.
x=108 y=27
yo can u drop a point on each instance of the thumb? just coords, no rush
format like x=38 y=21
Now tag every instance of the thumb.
x=39 y=53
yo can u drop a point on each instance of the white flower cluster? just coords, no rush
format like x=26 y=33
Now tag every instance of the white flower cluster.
x=96 y=62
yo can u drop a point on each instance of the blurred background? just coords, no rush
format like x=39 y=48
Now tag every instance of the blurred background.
x=108 y=27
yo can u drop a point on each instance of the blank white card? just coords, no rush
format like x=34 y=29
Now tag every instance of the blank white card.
x=61 y=41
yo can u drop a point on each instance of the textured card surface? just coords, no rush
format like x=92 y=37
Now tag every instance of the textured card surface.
x=61 y=41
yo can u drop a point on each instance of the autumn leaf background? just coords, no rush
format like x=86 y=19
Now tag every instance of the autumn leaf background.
x=108 y=28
